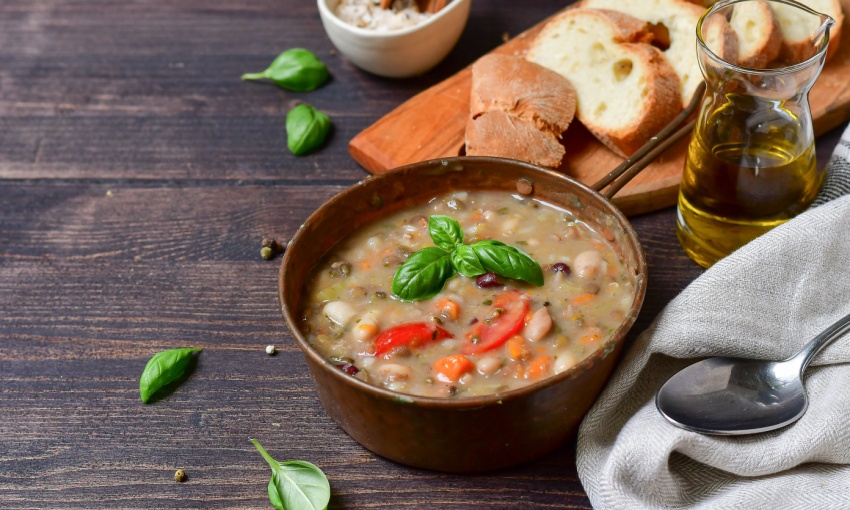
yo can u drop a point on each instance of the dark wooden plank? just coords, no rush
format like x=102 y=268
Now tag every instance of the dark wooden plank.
x=155 y=88
x=92 y=284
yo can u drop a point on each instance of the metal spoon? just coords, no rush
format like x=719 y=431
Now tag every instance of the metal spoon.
x=732 y=396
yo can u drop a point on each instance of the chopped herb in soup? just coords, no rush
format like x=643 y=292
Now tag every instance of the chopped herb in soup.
x=456 y=309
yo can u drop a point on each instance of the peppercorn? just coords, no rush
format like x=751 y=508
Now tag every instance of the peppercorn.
x=270 y=248
x=180 y=476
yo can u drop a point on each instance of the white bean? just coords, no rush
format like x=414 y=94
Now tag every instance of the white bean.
x=339 y=312
x=509 y=225
x=539 y=325
x=489 y=365
x=564 y=362
x=588 y=264
x=394 y=372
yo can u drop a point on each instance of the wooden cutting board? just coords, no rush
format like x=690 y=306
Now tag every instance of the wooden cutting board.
x=432 y=124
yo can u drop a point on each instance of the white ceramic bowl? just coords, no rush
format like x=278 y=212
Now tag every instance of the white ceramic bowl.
x=397 y=53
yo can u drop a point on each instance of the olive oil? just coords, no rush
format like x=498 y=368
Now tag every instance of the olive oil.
x=750 y=167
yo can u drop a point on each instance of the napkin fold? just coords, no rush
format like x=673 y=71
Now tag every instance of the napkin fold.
x=765 y=301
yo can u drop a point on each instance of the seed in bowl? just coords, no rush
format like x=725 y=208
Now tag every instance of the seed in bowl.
x=369 y=14
x=450 y=299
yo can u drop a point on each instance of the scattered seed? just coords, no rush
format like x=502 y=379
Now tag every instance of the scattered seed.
x=180 y=476
x=270 y=248
x=270 y=350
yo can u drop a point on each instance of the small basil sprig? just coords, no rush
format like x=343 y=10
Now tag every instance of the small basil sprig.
x=296 y=69
x=163 y=368
x=423 y=275
x=296 y=484
x=306 y=129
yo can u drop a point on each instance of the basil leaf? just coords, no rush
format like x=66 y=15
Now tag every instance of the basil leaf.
x=306 y=129
x=163 y=368
x=296 y=69
x=466 y=261
x=423 y=274
x=508 y=261
x=445 y=231
x=296 y=484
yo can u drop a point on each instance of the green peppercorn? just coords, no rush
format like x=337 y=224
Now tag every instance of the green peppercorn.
x=266 y=253
x=180 y=476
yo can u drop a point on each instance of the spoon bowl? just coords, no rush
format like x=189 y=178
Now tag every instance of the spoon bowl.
x=734 y=396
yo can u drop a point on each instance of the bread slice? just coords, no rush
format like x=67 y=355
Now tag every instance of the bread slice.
x=680 y=18
x=503 y=135
x=797 y=28
x=518 y=110
x=626 y=89
x=758 y=33
x=720 y=38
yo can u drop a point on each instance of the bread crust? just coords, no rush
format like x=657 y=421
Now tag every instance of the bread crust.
x=518 y=110
x=497 y=133
x=662 y=98
x=529 y=91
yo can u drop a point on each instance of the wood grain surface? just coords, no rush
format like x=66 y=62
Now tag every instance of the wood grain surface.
x=137 y=177
x=433 y=123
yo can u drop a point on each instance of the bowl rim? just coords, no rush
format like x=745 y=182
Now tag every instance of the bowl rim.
x=326 y=13
x=602 y=350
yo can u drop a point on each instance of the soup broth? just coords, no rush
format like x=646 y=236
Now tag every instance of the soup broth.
x=480 y=335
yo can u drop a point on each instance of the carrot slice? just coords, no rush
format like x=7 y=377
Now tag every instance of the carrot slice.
x=451 y=368
x=449 y=306
x=539 y=367
x=582 y=299
x=516 y=347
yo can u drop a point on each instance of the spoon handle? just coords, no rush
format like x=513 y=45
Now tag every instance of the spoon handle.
x=810 y=350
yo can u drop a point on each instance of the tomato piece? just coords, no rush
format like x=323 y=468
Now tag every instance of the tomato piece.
x=411 y=335
x=513 y=305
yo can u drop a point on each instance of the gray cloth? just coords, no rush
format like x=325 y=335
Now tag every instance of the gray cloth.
x=764 y=301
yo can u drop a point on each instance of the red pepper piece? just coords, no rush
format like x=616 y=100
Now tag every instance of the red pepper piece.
x=411 y=335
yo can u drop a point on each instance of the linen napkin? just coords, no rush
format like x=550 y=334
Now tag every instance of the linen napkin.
x=763 y=301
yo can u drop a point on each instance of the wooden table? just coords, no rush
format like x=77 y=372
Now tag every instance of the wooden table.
x=137 y=177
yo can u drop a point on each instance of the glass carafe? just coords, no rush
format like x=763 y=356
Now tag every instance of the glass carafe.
x=751 y=161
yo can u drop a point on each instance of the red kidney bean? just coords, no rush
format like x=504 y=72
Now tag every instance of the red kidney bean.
x=487 y=280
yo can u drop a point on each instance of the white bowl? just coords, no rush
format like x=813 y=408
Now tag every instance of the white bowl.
x=397 y=53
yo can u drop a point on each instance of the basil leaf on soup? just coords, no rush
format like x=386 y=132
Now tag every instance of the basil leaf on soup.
x=423 y=274
x=296 y=484
x=163 y=368
x=306 y=129
x=295 y=69
x=508 y=261
x=466 y=261
x=445 y=231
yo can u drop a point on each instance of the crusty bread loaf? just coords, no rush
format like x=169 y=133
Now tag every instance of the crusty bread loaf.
x=758 y=33
x=680 y=18
x=625 y=88
x=798 y=27
x=518 y=110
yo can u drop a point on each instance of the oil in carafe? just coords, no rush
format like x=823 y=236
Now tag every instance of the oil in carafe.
x=750 y=167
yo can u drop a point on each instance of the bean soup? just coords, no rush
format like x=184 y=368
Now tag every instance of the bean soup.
x=389 y=307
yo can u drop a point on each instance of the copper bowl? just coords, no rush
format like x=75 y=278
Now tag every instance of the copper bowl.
x=456 y=434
